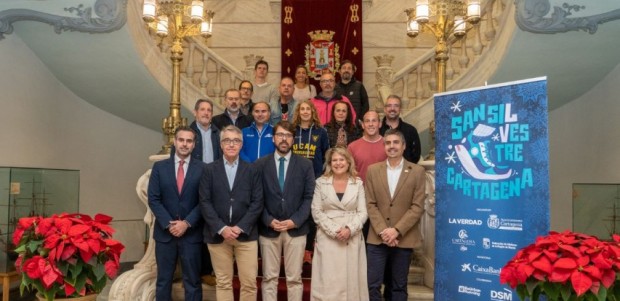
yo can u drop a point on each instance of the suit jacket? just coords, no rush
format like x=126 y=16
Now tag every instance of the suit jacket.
x=168 y=204
x=197 y=152
x=215 y=142
x=403 y=211
x=294 y=202
x=218 y=200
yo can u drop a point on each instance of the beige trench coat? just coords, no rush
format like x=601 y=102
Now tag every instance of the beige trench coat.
x=339 y=268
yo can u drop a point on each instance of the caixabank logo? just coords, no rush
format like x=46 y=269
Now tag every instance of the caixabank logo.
x=486 y=153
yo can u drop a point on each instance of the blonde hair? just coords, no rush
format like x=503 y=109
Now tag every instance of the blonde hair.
x=315 y=115
x=347 y=156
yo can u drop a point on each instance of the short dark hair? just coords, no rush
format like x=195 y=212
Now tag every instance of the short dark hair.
x=284 y=124
x=395 y=132
x=261 y=62
x=184 y=128
x=394 y=96
x=348 y=62
x=231 y=90
x=202 y=100
x=246 y=81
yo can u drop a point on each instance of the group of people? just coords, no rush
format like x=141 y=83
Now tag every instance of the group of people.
x=284 y=175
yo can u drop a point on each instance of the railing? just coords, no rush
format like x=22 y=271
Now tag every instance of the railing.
x=211 y=73
x=473 y=60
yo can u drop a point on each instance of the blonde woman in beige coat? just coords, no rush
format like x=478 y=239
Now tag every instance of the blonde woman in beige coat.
x=339 y=210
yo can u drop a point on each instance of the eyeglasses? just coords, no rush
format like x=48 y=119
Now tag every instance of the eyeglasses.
x=235 y=141
x=327 y=81
x=245 y=89
x=284 y=135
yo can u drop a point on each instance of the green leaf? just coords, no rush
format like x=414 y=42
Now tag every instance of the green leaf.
x=531 y=286
x=522 y=291
x=566 y=292
x=33 y=245
x=602 y=294
x=80 y=282
x=552 y=290
x=99 y=271
x=20 y=249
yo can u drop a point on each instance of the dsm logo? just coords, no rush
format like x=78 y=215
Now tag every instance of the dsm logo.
x=505 y=295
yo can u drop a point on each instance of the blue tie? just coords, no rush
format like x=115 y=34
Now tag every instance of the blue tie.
x=281 y=173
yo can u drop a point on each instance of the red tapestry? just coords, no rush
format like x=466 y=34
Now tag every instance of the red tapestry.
x=320 y=34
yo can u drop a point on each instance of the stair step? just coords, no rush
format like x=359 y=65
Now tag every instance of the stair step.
x=416 y=275
x=420 y=293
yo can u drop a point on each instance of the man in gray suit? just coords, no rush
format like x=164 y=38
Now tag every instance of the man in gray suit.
x=231 y=201
x=288 y=187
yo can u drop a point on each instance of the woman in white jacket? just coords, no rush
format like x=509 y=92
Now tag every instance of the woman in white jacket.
x=339 y=210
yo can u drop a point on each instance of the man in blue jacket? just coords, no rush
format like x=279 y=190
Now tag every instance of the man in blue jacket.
x=257 y=138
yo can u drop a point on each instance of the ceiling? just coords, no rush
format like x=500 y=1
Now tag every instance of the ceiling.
x=106 y=71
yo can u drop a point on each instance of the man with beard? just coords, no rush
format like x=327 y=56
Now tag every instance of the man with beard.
x=328 y=98
x=392 y=120
x=173 y=199
x=352 y=88
x=288 y=187
x=395 y=191
x=285 y=106
x=232 y=115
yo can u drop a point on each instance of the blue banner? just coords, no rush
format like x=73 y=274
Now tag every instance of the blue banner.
x=492 y=185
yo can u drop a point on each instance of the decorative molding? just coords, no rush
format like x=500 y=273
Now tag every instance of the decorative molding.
x=111 y=15
x=530 y=16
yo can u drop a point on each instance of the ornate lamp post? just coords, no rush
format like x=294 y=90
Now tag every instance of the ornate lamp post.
x=172 y=21
x=446 y=20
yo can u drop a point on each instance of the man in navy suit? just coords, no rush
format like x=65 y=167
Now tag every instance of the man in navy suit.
x=231 y=201
x=173 y=199
x=288 y=187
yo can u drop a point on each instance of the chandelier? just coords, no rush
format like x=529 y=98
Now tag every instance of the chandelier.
x=172 y=21
x=447 y=20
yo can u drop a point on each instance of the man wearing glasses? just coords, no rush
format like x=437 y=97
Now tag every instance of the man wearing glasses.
x=288 y=187
x=325 y=100
x=231 y=201
x=246 y=89
x=392 y=120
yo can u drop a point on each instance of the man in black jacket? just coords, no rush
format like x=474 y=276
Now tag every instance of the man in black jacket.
x=392 y=120
x=353 y=89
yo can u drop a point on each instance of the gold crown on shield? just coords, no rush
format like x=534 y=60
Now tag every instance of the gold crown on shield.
x=321 y=35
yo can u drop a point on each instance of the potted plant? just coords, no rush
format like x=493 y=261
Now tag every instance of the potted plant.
x=566 y=266
x=66 y=255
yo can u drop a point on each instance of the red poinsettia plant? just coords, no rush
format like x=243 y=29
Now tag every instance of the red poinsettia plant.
x=566 y=266
x=66 y=255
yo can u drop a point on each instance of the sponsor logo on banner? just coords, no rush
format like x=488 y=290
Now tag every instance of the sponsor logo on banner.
x=469 y=290
x=494 y=222
x=465 y=221
x=479 y=269
x=463 y=239
x=504 y=295
x=488 y=244
x=483 y=280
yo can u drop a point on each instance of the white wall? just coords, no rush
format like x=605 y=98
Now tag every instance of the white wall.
x=46 y=125
x=584 y=143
